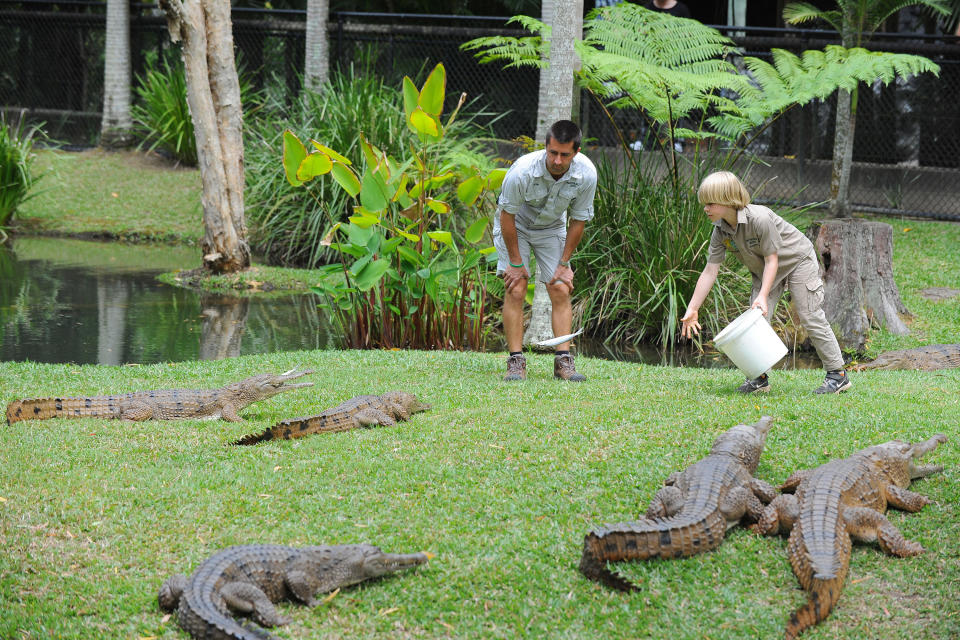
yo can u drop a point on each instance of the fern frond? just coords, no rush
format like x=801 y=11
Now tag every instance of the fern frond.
x=802 y=12
x=528 y=51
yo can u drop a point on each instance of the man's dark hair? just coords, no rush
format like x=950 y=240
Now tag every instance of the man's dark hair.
x=564 y=131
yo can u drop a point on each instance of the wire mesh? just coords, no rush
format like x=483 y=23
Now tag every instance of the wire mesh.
x=907 y=143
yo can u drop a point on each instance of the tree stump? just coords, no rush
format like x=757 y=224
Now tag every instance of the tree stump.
x=541 y=316
x=859 y=291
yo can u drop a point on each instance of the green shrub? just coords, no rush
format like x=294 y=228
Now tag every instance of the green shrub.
x=641 y=257
x=161 y=116
x=285 y=226
x=16 y=176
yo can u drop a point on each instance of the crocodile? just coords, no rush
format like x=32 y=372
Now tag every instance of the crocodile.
x=692 y=512
x=164 y=404
x=361 y=411
x=247 y=580
x=930 y=357
x=840 y=500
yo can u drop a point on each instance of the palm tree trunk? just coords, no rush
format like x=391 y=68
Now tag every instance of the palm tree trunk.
x=555 y=103
x=317 y=58
x=117 y=124
x=842 y=155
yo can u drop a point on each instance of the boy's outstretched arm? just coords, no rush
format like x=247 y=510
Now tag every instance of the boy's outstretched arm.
x=770 y=264
x=704 y=283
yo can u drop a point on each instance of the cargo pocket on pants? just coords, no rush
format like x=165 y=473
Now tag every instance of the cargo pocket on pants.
x=814 y=300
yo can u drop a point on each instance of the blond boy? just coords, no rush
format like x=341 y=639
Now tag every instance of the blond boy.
x=778 y=257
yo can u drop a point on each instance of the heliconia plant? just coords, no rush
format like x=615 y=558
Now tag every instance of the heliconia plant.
x=408 y=277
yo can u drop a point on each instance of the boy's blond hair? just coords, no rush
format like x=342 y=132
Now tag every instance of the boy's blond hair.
x=723 y=188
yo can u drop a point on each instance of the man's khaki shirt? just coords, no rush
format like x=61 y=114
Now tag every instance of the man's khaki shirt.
x=760 y=232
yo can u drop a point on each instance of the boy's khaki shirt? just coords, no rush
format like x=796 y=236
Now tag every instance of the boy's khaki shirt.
x=760 y=232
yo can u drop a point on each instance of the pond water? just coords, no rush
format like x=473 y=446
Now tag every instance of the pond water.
x=85 y=302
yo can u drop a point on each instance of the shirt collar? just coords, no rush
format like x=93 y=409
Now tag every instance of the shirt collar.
x=726 y=228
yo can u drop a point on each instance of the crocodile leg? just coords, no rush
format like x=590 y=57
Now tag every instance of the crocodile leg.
x=778 y=516
x=763 y=490
x=229 y=413
x=135 y=411
x=248 y=599
x=867 y=525
x=740 y=502
x=398 y=411
x=790 y=484
x=371 y=417
x=905 y=499
x=667 y=501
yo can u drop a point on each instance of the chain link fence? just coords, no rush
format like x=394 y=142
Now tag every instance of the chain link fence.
x=907 y=145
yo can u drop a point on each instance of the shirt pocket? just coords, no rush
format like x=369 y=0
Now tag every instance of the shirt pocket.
x=536 y=195
x=567 y=192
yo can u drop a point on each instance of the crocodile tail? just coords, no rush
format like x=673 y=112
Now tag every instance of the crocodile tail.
x=254 y=438
x=35 y=409
x=824 y=594
x=204 y=621
x=645 y=539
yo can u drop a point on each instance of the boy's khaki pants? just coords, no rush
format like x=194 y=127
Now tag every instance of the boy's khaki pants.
x=806 y=292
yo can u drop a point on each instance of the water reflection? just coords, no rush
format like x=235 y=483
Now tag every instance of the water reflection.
x=89 y=302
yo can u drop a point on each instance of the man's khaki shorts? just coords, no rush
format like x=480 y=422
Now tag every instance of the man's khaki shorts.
x=547 y=246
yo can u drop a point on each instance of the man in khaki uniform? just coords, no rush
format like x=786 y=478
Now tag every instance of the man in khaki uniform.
x=778 y=256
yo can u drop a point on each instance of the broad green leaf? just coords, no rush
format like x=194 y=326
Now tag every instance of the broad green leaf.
x=315 y=164
x=373 y=191
x=359 y=236
x=410 y=98
x=471 y=260
x=441 y=236
x=330 y=152
x=409 y=236
x=438 y=206
x=495 y=179
x=475 y=231
x=370 y=154
x=434 y=90
x=391 y=245
x=348 y=249
x=424 y=273
x=410 y=255
x=372 y=274
x=470 y=189
x=488 y=250
x=364 y=221
x=346 y=178
x=293 y=154
x=424 y=123
x=358 y=266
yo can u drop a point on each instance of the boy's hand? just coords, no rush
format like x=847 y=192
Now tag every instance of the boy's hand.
x=690 y=325
x=760 y=303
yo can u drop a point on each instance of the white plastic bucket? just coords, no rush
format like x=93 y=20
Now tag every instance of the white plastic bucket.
x=751 y=343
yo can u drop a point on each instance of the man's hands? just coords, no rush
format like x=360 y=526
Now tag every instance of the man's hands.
x=690 y=326
x=515 y=276
x=564 y=275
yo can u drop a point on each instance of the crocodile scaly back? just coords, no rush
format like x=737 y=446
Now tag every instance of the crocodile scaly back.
x=836 y=503
x=692 y=512
x=361 y=411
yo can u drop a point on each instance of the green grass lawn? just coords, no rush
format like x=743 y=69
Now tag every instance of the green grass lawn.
x=500 y=481
x=128 y=195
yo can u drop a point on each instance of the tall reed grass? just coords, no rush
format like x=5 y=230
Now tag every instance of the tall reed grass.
x=16 y=174
x=642 y=254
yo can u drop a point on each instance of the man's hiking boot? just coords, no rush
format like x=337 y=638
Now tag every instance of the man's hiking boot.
x=564 y=369
x=516 y=368
x=761 y=384
x=835 y=382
